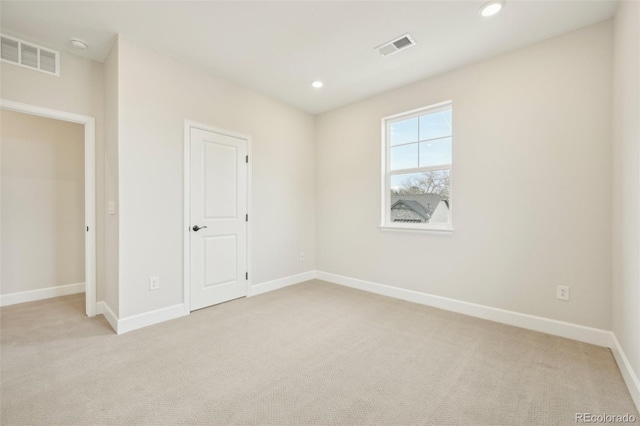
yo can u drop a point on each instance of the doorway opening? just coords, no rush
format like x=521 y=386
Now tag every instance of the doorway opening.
x=74 y=223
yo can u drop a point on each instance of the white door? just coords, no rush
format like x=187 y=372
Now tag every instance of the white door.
x=218 y=229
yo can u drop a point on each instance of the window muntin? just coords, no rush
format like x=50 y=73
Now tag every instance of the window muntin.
x=417 y=159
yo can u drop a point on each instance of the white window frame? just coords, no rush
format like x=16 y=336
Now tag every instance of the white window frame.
x=386 y=223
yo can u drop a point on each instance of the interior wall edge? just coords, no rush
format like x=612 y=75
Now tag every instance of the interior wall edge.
x=103 y=308
x=631 y=380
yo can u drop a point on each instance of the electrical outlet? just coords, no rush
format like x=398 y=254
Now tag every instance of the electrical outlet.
x=562 y=292
x=154 y=283
x=301 y=256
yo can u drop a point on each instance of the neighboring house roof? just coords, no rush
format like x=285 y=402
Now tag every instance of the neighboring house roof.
x=422 y=204
x=414 y=206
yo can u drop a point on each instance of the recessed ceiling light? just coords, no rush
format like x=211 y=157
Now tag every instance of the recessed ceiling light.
x=317 y=84
x=491 y=8
x=78 y=44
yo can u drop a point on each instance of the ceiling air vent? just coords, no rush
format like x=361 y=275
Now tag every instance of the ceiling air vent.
x=29 y=55
x=396 y=45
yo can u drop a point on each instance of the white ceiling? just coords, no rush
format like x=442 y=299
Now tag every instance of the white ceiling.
x=279 y=47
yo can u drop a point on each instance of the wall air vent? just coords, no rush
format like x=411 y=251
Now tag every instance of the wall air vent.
x=29 y=55
x=396 y=45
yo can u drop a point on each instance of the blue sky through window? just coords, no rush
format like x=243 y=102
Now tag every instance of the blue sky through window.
x=404 y=131
x=435 y=125
x=421 y=141
x=435 y=152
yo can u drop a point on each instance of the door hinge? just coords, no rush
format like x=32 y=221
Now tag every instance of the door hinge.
x=246 y=217
x=87 y=229
x=246 y=158
x=246 y=275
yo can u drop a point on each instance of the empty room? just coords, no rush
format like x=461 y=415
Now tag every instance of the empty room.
x=320 y=212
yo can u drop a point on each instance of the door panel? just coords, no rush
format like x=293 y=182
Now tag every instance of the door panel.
x=220 y=166
x=218 y=206
x=220 y=260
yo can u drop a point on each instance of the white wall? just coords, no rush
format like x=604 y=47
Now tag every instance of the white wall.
x=532 y=175
x=626 y=181
x=42 y=202
x=79 y=89
x=531 y=184
x=156 y=94
x=112 y=229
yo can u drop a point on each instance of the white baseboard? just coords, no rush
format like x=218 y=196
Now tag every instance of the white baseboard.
x=581 y=333
x=135 y=322
x=531 y=322
x=630 y=377
x=281 y=282
x=109 y=315
x=40 y=294
x=146 y=319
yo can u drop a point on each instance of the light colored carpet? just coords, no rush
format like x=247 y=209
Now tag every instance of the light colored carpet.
x=310 y=354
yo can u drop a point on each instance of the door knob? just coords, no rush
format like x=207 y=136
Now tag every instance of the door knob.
x=197 y=228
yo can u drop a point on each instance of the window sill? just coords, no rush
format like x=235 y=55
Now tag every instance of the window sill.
x=438 y=231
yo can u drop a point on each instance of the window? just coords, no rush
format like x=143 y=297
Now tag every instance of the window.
x=416 y=161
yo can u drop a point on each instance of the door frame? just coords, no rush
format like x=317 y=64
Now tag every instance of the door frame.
x=89 y=187
x=186 y=246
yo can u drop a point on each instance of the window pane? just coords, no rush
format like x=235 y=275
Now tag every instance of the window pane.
x=404 y=131
x=404 y=156
x=435 y=153
x=420 y=197
x=435 y=125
